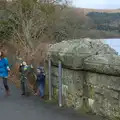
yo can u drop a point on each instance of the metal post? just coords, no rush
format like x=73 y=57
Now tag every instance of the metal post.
x=60 y=83
x=50 y=81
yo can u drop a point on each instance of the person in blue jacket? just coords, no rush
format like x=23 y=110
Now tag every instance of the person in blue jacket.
x=4 y=71
x=40 y=82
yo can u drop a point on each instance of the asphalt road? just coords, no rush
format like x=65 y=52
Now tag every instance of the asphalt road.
x=17 y=107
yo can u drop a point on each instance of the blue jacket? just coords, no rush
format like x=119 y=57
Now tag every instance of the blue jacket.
x=4 y=67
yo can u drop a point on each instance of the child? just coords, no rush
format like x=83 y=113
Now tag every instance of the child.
x=40 y=82
x=23 y=77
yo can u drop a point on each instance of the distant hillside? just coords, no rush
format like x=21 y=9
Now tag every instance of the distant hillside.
x=86 y=10
x=102 y=20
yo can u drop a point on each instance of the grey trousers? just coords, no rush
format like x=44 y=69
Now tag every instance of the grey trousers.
x=5 y=83
x=23 y=87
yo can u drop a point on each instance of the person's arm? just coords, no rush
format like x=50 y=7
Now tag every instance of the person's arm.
x=20 y=69
x=7 y=64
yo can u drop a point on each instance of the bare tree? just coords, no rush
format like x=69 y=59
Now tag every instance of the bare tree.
x=33 y=22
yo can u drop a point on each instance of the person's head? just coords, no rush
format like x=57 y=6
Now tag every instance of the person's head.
x=2 y=54
x=38 y=71
x=24 y=63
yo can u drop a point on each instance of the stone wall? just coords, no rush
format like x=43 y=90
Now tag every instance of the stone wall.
x=101 y=91
x=104 y=90
x=92 y=84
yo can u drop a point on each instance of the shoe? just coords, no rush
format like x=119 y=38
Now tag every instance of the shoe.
x=42 y=97
x=8 y=93
x=36 y=94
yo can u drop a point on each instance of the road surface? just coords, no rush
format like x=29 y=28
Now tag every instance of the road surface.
x=17 y=107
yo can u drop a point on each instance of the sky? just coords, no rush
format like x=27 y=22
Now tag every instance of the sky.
x=114 y=43
x=99 y=4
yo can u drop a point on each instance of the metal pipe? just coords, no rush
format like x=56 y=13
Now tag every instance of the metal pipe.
x=60 y=83
x=50 y=81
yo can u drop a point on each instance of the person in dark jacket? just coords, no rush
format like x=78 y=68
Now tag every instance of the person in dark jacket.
x=4 y=70
x=40 y=82
x=23 y=69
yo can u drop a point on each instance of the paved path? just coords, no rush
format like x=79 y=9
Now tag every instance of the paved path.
x=16 y=107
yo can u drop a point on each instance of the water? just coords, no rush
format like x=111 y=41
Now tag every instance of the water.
x=114 y=43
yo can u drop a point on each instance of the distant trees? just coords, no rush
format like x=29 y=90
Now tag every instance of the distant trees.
x=105 y=21
x=119 y=28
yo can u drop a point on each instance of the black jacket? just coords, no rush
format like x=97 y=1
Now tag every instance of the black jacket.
x=41 y=78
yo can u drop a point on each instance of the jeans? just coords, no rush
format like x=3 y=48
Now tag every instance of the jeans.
x=41 y=89
x=5 y=83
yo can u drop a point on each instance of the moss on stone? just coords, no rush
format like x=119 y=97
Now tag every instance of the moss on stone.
x=85 y=108
x=91 y=92
x=55 y=93
x=46 y=88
